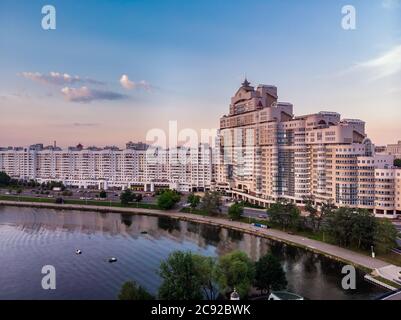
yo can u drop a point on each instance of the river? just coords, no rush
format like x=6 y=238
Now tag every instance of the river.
x=31 y=238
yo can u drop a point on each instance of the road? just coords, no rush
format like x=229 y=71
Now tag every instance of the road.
x=248 y=212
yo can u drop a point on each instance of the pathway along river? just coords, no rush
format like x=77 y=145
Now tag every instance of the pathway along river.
x=31 y=238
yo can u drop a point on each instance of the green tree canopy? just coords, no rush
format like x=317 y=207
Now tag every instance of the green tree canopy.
x=235 y=271
x=181 y=278
x=236 y=211
x=103 y=194
x=193 y=200
x=269 y=274
x=4 y=179
x=312 y=210
x=168 y=199
x=284 y=214
x=360 y=229
x=385 y=236
x=132 y=291
x=126 y=197
x=211 y=203
x=397 y=163
x=205 y=267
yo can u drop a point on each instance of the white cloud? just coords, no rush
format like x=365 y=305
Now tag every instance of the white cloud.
x=57 y=78
x=391 y=4
x=87 y=95
x=130 y=85
x=385 y=65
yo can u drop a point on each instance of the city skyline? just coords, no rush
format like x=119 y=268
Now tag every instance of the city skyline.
x=142 y=64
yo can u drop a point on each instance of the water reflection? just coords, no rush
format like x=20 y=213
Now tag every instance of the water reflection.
x=31 y=238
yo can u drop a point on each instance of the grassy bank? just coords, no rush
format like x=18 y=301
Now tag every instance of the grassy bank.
x=103 y=203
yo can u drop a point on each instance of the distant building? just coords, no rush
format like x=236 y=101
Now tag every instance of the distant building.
x=137 y=146
x=394 y=149
x=380 y=149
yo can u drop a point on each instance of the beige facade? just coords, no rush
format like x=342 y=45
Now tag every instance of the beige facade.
x=267 y=153
x=394 y=149
x=184 y=169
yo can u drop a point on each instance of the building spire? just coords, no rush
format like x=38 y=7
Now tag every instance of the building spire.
x=246 y=83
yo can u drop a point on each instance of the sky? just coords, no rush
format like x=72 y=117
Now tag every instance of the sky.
x=113 y=70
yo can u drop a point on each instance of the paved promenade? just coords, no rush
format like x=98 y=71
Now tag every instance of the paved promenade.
x=317 y=246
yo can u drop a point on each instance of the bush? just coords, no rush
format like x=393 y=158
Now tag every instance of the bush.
x=59 y=201
x=103 y=194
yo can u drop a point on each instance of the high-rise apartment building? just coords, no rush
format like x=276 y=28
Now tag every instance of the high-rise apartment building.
x=266 y=152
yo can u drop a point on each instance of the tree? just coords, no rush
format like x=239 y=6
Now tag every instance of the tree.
x=193 y=200
x=236 y=211
x=327 y=208
x=311 y=208
x=130 y=290
x=205 y=267
x=138 y=197
x=363 y=229
x=397 y=163
x=284 y=214
x=235 y=271
x=211 y=203
x=126 y=197
x=339 y=226
x=385 y=236
x=360 y=229
x=168 y=199
x=269 y=274
x=103 y=194
x=4 y=179
x=181 y=278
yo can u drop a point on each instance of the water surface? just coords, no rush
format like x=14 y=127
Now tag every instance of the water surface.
x=31 y=238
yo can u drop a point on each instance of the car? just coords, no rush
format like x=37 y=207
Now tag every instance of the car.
x=263 y=216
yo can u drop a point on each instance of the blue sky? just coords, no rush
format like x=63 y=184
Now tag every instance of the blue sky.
x=185 y=59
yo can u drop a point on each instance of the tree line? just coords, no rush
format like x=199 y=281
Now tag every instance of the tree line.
x=345 y=226
x=188 y=276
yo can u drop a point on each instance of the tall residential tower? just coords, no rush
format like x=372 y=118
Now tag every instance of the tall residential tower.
x=267 y=153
